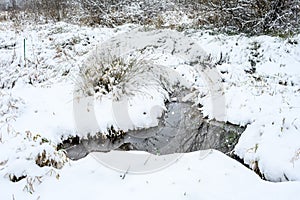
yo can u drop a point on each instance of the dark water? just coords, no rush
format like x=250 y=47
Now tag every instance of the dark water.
x=182 y=128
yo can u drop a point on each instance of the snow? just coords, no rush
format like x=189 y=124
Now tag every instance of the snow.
x=214 y=176
x=38 y=103
x=263 y=101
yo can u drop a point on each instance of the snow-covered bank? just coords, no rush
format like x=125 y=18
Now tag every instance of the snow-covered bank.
x=194 y=176
x=267 y=99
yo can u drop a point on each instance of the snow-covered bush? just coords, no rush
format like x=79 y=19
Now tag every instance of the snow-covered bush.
x=231 y=16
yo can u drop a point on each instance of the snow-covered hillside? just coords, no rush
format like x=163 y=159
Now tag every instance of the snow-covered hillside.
x=260 y=86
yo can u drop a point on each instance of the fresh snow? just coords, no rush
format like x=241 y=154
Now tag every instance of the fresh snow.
x=37 y=112
x=194 y=176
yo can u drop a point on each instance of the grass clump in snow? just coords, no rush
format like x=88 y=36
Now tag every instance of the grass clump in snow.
x=44 y=159
x=28 y=158
x=108 y=74
x=124 y=76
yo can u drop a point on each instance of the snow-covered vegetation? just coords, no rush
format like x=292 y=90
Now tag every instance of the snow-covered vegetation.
x=61 y=79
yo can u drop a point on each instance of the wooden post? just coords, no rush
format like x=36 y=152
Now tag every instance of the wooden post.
x=25 y=51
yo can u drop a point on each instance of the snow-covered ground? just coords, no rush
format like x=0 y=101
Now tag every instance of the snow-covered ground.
x=194 y=176
x=37 y=112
